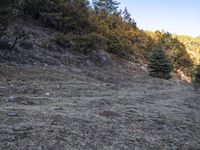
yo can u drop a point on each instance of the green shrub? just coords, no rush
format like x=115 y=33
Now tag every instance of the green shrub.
x=196 y=76
x=89 y=42
x=83 y=44
x=5 y=12
x=62 y=40
x=115 y=44
x=160 y=66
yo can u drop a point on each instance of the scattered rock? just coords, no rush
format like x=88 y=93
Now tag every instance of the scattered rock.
x=12 y=114
x=144 y=68
x=12 y=99
x=47 y=94
x=57 y=108
x=174 y=147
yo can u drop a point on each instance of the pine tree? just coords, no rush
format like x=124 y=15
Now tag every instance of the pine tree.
x=160 y=66
x=65 y=15
x=128 y=19
x=109 y=6
x=127 y=15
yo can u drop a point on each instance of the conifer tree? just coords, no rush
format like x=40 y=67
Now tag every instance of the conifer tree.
x=109 y=6
x=127 y=15
x=65 y=15
x=128 y=19
x=160 y=66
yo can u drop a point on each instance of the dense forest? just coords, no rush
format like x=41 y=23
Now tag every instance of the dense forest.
x=85 y=27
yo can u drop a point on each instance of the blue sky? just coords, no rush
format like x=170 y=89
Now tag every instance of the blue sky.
x=174 y=16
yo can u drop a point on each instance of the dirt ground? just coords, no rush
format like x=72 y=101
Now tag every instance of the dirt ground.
x=58 y=109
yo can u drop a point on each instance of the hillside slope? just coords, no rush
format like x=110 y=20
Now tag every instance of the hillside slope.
x=52 y=98
x=54 y=108
x=41 y=49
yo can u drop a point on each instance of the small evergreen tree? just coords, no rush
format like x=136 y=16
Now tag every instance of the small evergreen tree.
x=160 y=66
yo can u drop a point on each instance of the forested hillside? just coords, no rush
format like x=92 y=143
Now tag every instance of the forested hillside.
x=86 y=27
x=192 y=45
